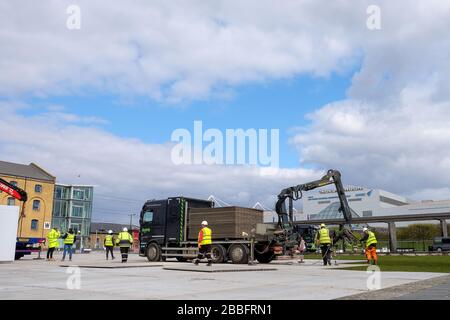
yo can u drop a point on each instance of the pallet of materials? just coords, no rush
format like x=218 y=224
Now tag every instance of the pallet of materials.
x=226 y=222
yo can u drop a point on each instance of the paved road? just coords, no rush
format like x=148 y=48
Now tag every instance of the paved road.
x=31 y=279
x=436 y=292
x=436 y=288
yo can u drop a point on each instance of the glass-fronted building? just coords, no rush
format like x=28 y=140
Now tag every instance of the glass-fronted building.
x=72 y=208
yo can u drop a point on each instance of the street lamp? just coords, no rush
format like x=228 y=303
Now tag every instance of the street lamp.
x=131 y=220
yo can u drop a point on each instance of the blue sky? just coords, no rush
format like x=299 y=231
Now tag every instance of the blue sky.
x=278 y=104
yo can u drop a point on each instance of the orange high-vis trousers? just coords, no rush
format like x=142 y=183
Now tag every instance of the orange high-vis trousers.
x=371 y=254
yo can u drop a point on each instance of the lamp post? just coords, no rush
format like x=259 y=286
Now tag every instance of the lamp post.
x=131 y=220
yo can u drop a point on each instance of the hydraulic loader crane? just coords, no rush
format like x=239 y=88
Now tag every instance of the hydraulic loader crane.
x=285 y=228
x=13 y=191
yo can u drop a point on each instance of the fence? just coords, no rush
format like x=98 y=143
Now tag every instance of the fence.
x=403 y=246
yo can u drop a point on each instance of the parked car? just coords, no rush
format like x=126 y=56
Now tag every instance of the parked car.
x=440 y=244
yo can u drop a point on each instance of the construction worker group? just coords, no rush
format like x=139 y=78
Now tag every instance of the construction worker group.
x=124 y=241
x=69 y=239
x=325 y=241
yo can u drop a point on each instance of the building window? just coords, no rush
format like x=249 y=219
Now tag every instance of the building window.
x=36 y=205
x=367 y=213
x=61 y=192
x=38 y=188
x=77 y=211
x=34 y=224
x=324 y=202
x=356 y=199
x=78 y=194
x=11 y=202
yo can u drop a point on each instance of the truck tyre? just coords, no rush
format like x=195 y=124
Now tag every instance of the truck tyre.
x=265 y=257
x=153 y=252
x=238 y=254
x=218 y=253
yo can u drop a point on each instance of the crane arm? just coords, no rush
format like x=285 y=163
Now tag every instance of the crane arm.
x=295 y=193
x=13 y=191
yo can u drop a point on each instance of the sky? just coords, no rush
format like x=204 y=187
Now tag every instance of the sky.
x=98 y=104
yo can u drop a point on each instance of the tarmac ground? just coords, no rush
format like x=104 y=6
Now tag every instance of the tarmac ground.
x=90 y=276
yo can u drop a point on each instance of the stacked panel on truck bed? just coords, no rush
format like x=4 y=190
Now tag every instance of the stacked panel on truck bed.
x=226 y=222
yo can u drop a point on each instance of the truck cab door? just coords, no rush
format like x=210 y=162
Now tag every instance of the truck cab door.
x=153 y=223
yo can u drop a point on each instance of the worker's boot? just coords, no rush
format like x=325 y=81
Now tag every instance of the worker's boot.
x=196 y=262
x=209 y=263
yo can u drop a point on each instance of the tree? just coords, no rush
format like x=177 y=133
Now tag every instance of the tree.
x=418 y=232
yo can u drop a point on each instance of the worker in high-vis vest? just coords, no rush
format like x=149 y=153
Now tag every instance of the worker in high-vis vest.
x=204 y=244
x=53 y=243
x=323 y=240
x=69 y=240
x=124 y=241
x=371 y=246
x=109 y=244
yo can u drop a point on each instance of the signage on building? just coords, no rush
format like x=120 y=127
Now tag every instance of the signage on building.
x=47 y=225
x=349 y=189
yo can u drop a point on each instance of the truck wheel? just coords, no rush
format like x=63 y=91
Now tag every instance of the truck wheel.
x=265 y=257
x=238 y=254
x=153 y=252
x=218 y=253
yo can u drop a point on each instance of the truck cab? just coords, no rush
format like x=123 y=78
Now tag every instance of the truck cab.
x=163 y=223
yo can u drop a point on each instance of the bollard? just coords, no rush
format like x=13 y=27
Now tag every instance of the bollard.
x=39 y=253
x=252 y=248
x=252 y=252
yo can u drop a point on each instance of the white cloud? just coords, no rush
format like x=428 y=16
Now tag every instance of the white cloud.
x=129 y=168
x=403 y=147
x=170 y=50
x=392 y=131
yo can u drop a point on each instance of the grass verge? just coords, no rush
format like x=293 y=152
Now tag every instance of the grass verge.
x=440 y=264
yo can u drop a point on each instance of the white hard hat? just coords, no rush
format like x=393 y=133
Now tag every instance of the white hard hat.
x=125 y=230
x=323 y=225
x=204 y=223
x=110 y=231
x=365 y=229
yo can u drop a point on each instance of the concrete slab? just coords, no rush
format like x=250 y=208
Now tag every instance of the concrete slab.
x=121 y=266
x=218 y=268
x=36 y=279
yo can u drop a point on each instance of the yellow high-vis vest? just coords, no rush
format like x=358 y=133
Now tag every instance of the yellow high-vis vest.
x=324 y=236
x=53 y=237
x=371 y=240
x=124 y=240
x=109 y=241
x=207 y=236
x=70 y=239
